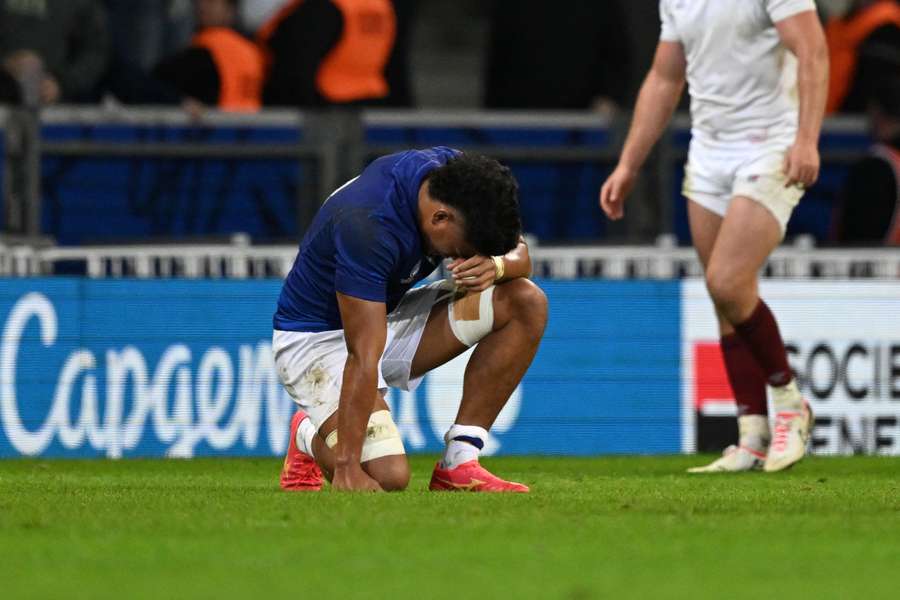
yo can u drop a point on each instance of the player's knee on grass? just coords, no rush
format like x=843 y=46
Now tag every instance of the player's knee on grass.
x=383 y=455
x=391 y=472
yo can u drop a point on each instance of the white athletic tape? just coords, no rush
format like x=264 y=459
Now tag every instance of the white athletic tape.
x=472 y=316
x=382 y=437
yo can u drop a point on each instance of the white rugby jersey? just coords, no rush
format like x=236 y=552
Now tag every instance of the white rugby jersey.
x=742 y=80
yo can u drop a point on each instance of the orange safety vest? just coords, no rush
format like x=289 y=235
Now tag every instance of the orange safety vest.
x=844 y=37
x=892 y=157
x=354 y=68
x=240 y=66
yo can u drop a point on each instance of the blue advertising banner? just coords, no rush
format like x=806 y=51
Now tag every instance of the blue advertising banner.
x=184 y=368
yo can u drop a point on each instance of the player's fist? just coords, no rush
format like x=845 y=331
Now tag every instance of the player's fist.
x=614 y=191
x=801 y=165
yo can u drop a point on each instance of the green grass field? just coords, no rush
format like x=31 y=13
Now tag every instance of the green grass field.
x=591 y=528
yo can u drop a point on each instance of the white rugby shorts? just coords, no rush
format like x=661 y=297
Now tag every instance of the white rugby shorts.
x=716 y=173
x=310 y=365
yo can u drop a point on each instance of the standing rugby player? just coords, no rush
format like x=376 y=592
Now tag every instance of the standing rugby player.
x=757 y=72
x=349 y=324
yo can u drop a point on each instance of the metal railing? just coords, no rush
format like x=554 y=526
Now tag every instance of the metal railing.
x=241 y=260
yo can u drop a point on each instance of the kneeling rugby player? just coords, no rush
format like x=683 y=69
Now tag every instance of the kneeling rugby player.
x=349 y=323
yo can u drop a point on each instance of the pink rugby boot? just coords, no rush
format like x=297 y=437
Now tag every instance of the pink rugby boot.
x=471 y=477
x=300 y=472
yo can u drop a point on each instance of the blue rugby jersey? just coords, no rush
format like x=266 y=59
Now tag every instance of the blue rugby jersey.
x=364 y=242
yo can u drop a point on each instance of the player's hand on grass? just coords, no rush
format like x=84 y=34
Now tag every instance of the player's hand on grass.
x=353 y=479
x=474 y=274
x=614 y=191
x=801 y=165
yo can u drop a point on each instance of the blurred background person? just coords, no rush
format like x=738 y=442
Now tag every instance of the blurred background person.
x=10 y=92
x=860 y=44
x=566 y=54
x=337 y=52
x=142 y=33
x=869 y=208
x=57 y=50
x=221 y=68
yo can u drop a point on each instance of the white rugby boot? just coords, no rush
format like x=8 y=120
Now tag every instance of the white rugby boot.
x=733 y=460
x=749 y=454
x=792 y=431
x=793 y=426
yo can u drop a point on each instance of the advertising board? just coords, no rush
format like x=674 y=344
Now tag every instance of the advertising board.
x=183 y=368
x=843 y=343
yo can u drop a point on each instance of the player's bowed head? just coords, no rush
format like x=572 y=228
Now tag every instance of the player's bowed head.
x=469 y=207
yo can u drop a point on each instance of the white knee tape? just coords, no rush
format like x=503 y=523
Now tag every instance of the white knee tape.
x=472 y=316
x=382 y=437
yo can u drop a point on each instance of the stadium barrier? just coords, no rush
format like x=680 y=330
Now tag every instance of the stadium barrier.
x=155 y=173
x=179 y=367
x=241 y=259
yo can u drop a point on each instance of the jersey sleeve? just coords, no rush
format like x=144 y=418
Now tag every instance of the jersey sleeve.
x=667 y=33
x=365 y=256
x=782 y=9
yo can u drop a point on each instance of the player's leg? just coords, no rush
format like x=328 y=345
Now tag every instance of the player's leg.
x=503 y=356
x=746 y=378
x=310 y=366
x=507 y=331
x=748 y=235
x=297 y=370
x=383 y=456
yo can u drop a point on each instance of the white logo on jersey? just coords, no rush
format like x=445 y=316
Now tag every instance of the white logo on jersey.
x=412 y=274
x=339 y=189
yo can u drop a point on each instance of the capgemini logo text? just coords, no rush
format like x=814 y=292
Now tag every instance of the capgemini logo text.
x=189 y=397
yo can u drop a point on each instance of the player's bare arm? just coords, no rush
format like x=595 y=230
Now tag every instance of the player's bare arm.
x=480 y=272
x=802 y=34
x=365 y=331
x=656 y=102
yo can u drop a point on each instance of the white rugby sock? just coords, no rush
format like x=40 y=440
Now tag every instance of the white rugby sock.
x=787 y=397
x=754 y=432
x=305 y=434
x=464 y=443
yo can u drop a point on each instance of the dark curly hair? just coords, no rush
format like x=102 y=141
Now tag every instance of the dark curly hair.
x=486 y=194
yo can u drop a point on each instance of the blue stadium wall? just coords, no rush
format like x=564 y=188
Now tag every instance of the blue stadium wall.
x=174 y=198
x=183 y=368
